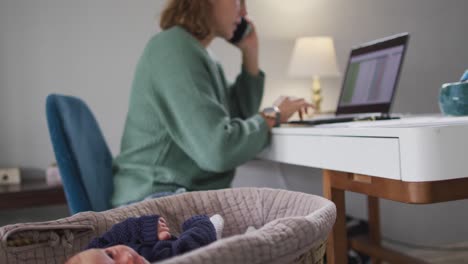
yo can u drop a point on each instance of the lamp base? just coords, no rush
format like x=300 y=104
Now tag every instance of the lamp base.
x=317 y=94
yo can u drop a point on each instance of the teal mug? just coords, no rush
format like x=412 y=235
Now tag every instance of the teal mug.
x=453 y=98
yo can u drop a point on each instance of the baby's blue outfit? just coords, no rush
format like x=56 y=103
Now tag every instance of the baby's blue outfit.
x=141 y=234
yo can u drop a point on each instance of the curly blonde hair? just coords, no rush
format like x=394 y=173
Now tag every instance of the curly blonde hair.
x=192 y=15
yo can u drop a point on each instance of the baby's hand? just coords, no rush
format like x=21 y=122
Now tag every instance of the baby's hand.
x=163 y=230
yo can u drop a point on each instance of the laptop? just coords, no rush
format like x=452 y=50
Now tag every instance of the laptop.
x=370 y=82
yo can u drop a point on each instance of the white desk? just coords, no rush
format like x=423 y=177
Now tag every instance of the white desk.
x=414 y=160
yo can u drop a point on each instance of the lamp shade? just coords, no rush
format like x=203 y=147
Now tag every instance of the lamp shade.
x=313 y=57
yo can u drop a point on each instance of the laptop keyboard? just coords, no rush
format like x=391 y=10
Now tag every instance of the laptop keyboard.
x=313 y=122
x=407 y=122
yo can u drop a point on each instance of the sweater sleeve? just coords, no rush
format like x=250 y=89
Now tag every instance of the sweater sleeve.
x=198 y=231
x=189 y=106
x=133 y=230
x=246 y=93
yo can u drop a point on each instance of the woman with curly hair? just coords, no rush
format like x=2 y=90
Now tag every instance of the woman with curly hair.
x=187 y=128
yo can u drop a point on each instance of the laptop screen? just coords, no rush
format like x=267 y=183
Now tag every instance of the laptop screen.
x=372 y=75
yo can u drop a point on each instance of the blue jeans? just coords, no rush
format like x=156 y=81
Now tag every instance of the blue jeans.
x=158 y=195
x=162 y=194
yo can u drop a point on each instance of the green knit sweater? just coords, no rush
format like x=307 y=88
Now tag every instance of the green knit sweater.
x=186 y=126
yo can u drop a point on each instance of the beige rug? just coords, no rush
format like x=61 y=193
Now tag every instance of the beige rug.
x=455 y=254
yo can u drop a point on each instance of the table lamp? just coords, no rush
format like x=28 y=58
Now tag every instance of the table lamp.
x=314 y=57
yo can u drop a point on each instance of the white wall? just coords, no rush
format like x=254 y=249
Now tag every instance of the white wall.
x=89 y=48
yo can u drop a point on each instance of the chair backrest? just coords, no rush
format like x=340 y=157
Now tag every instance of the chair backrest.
x=82 y=154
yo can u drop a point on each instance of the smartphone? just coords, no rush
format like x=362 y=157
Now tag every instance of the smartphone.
x=242 y=30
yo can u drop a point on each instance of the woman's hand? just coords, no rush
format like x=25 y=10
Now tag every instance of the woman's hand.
x=249 y=48
x=249 y=44
x=290 y=105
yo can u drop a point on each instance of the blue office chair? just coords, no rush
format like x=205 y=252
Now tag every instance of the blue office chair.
x=83 y=157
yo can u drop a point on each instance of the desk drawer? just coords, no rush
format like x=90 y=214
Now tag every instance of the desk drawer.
x=363 y=155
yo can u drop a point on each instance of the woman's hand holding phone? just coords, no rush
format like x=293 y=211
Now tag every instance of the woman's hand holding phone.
x=248 y=44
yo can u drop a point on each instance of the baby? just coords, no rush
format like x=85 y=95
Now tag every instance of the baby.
x=148 y=238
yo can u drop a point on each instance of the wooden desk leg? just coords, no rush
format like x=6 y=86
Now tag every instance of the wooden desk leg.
x=374 y=223
x=337 y=246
